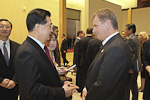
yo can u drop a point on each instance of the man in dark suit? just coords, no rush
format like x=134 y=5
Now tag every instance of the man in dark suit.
x=83 y=64
x=106 y=76
x=56 y=51
x=38 y=79
x=135 y=48
x=92 y=50
x=8 y=86
x=77 y=55
x=64 y=49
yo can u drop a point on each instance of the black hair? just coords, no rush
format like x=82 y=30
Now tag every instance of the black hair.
x=131 y=26
x=36 y=16
x=78 y=33
x=89 y=30
x=7 y=21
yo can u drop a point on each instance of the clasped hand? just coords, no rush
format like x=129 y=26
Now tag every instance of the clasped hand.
x=9 y=84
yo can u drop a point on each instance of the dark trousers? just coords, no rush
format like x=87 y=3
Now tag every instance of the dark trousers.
x=131 y=85
x=64 y=58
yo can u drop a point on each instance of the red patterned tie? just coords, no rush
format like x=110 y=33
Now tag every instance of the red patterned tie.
x=47 y=53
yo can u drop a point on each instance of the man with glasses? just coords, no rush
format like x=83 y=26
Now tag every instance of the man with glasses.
x=38 y=78
x=8 y=86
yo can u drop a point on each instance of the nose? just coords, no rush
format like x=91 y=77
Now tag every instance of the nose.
x=93 y=30
x=4 y=28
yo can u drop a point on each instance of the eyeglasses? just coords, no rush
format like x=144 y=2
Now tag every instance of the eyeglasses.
x=50 y=25
x=2 y=27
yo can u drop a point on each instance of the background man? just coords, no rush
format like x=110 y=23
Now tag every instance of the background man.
x=123 y=35
x=64 y=49
x=38 y=79
x=106 y=76
x=77 y=55
x=83 y=64
x=135 y=48
x=8 y=48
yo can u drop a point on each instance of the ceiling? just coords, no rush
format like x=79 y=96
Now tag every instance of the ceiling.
x=125 y=4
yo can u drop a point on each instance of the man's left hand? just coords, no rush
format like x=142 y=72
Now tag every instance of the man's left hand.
x=11 y=84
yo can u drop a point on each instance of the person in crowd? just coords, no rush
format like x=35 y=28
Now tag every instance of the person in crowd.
x=56 y=51
x=143 y=37
x=77 y=55
x=8 y=82
x=51 y=45
x=64 y=49
x=107 y=75
x=92 y=50
x=146 y=64
x=74 y=38
x=123 y=35
x=83 y=62
x=135 y=48
x=38 y=78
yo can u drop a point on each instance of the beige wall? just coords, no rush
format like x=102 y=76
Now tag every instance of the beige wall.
x=140 y=17
x=124 y=20
x=13 y=11
x=94 y=5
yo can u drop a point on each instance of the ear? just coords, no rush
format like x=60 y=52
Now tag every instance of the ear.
x=37 y=27
x=108 y=24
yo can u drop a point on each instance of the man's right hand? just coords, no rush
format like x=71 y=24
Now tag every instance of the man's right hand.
x=69 y=89
x=4 y=83
x=84 y=93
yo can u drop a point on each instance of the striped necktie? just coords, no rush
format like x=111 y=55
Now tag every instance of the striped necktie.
x=5 y=53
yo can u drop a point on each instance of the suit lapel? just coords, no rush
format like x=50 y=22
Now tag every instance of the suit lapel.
x=42 y=53
x=102 y=51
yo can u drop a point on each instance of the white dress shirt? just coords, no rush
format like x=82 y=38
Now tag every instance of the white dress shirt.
x=37 y=41
x=7 y=45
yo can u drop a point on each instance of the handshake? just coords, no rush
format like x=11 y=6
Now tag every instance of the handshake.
x=69 y=88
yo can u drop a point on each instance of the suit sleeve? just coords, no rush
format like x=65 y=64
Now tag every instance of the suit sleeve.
x=131 y=45
x=112 y=70
x=28 y=74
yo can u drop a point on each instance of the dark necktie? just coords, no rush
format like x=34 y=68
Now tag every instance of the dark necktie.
x=101 y=47
x=5 y=53
x=47 y=53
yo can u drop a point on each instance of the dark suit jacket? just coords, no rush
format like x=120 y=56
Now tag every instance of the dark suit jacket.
x=108 y=72
x=146 y=61
x=76 y=59
x=38 y=80
x=63 y=46
x=77 y=52
x=8 y=72
x=135 y=47
x=83 y=64
x=92 y=50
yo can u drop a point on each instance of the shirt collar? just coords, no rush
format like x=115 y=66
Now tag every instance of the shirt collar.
x=89 y=35
x=7 y=43
x=109 y=37
x=131 y=35
x=37 y=41
x=78 y=38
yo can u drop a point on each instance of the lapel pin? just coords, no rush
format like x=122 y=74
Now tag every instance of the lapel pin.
x=102 y=50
